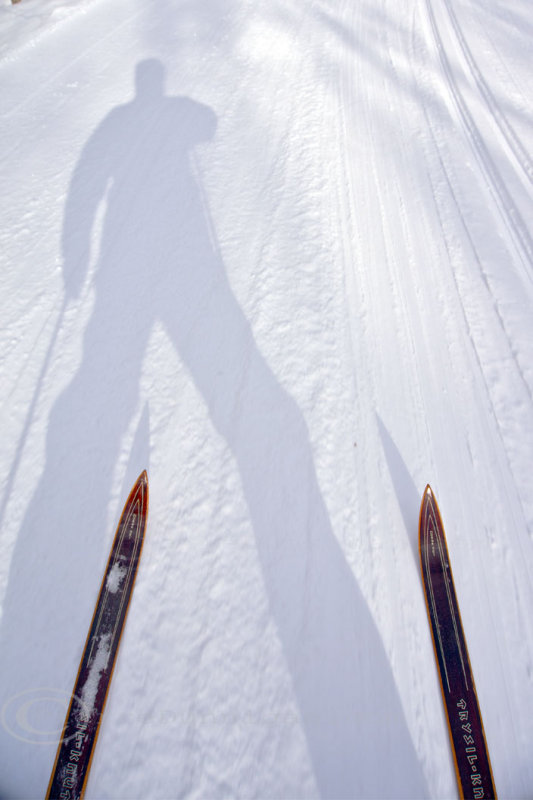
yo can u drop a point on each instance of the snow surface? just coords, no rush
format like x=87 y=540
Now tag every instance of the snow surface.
x=279 y=253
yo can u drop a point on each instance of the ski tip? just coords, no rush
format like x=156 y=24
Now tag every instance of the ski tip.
x=143 y=477
x=428 y=499
x=140 y=487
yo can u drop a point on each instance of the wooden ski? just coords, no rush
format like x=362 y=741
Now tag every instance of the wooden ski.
x=82 y=723
x=465 y=726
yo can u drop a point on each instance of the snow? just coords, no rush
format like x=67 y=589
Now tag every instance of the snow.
x=280 y=255
x=90 y=687
x=115 y=577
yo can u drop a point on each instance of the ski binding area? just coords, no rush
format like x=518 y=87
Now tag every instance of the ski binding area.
x=280 y=255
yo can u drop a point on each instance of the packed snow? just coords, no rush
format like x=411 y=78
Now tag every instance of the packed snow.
x=280 y=254
x=116 y=575
x=90 y=687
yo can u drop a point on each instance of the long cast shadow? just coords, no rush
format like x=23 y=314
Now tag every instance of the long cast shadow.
x=409 y=498
x=159 y=264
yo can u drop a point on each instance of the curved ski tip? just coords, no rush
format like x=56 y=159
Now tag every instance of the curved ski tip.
x=428 y=498
x=141 y=487
x=427 y=501
x=142 y=481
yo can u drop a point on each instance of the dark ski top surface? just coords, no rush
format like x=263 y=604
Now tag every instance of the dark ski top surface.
x=465 y=725
x=80 y=731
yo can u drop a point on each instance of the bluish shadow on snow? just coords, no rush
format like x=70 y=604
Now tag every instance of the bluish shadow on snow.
x=139 y=456
x=159 y=263
x=409 y=498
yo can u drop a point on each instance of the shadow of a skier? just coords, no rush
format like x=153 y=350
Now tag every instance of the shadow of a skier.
x=159 y=263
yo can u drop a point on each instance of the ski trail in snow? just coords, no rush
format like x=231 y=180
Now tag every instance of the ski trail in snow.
x=419 y=295
x=519 y=151
x=515 y=223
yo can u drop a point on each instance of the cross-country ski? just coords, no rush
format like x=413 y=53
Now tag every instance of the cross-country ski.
x=84 y=716
x=465 y=725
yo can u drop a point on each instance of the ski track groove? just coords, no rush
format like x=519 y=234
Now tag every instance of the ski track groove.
x=515 y=469
x=514 y=142
x=487 y=435
x=506 y=467
x=471 y=336
x=509 y=76
x=487 y=432
x=497 y=417
x=509 y=212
